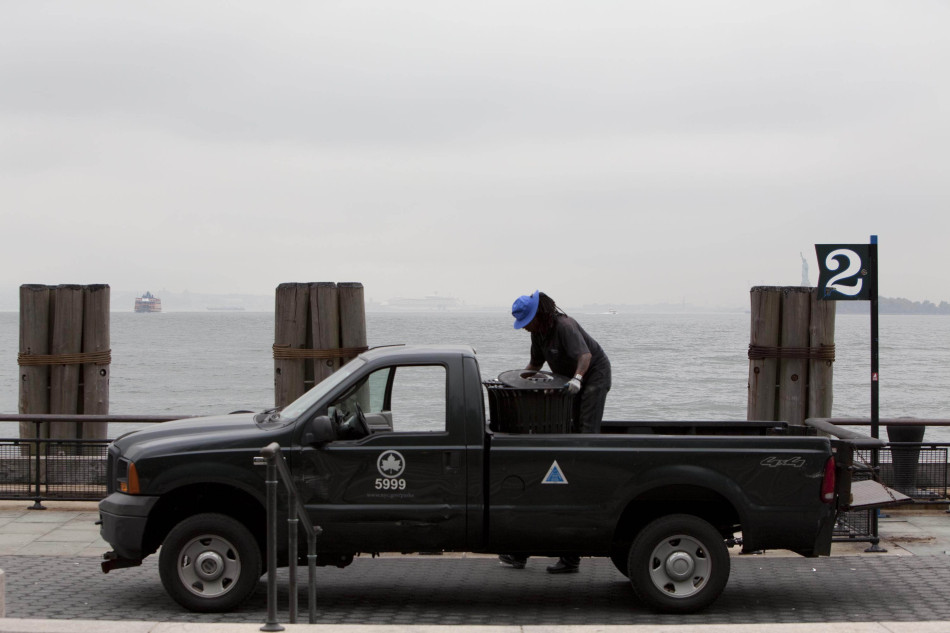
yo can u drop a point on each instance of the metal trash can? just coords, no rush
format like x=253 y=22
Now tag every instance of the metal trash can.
x=522 y=401
x=905 y=455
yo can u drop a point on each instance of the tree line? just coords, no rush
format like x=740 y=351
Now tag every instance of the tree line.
x=889 y=305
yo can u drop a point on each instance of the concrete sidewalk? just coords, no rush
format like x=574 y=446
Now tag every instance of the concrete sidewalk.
x=96 y=626
x=66 y=531
x=63 y=529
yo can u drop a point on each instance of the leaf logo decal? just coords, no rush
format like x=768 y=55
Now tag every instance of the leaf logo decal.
x=390 y=464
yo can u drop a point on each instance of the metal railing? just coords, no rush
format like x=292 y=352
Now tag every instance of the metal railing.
x=916 y=469
x=273 y=459
x=41 y=468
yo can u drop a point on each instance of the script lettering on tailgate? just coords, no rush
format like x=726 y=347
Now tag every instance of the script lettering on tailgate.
x=775 y=462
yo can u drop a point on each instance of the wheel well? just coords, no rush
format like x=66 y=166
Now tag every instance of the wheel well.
x=678 y=499
x=179 y=504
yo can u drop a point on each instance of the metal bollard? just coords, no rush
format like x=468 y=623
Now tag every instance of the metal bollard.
x=292 y=555
x=296 y=514
x=271 y=485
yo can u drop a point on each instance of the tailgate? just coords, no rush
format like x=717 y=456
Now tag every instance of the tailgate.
x=872 y=494
x=855 y=484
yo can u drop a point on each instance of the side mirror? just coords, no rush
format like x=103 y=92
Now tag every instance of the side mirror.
x=319 y=430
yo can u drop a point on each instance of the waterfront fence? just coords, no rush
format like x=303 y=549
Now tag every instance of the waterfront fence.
x=916 y=469
x=41 y=469
x=44 y=469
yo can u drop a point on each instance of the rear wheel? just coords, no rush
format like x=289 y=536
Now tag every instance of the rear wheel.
x=210 y=563
x=620 y=559
x=678 y=564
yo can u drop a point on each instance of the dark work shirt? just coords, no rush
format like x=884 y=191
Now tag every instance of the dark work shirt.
x=563 y=345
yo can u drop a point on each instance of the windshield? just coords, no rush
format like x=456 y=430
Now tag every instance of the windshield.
x=300 y=406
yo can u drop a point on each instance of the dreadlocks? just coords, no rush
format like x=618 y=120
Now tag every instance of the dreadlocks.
x=547 y=312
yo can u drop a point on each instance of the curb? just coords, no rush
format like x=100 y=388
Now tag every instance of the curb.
x=97 y=626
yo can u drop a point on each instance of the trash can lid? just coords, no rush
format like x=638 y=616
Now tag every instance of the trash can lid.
x=527 y=379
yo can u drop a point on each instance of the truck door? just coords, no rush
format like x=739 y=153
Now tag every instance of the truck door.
x=402 y=487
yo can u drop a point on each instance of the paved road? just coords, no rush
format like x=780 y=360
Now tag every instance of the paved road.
x=451 y=591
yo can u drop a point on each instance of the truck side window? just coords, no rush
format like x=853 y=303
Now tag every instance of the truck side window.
x=406 y=398
x=417 y=399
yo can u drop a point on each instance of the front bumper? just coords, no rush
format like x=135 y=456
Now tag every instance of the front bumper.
x=123 y=521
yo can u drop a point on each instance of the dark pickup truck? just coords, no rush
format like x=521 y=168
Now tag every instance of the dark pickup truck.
x=393 y=453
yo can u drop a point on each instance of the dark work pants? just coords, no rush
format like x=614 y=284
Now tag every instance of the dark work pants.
x=589 y=402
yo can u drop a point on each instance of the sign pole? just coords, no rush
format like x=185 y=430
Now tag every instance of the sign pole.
x=875 y=384
x=848 y=272
x=875 y=375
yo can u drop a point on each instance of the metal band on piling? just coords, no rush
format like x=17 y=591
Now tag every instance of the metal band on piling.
x=822 y=352
x=26 y=359
x=284 y=351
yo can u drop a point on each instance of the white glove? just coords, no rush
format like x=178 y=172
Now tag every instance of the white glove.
x=573 y=385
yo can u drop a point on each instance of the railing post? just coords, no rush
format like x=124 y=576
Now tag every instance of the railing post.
x=271 y=486
x=873 y=527
x=292 y=562
x=296 y=514
x=312 y=572
x=37 y=501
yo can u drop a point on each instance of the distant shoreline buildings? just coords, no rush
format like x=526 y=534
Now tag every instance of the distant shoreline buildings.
x=888 y=305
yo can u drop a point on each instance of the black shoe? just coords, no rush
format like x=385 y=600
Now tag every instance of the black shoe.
x=562 y=567
x=517 y=562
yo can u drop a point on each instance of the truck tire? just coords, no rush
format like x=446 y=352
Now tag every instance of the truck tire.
x=210 y=563
x=678 y=564
x=620 y=559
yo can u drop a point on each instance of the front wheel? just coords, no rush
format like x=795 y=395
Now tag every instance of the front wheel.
x=210 y=563
x=678 y=564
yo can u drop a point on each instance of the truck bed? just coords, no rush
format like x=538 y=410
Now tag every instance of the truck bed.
x=702 y=427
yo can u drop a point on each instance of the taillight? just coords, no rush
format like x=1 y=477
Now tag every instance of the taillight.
x=828 y=483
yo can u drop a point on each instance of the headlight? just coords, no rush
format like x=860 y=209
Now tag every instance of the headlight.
x=127 y=477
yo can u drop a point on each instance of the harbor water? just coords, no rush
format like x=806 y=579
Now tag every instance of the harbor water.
x=682 y=366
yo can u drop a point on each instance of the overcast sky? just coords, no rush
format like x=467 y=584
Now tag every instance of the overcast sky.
x=604 y=152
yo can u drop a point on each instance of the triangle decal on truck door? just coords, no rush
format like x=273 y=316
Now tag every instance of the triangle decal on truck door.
x=554 y=476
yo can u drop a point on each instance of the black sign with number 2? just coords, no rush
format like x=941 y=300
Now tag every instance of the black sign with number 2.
x=843 y=272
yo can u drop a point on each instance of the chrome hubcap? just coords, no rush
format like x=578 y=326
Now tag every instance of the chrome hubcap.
x=209 y=566
x=679 y=566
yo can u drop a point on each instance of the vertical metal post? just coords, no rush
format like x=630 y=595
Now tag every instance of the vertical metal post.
x=292 y=561
x=277 y=467
x=37 y=502
x=875 y=383
x=292 y=534
x=312 y=573
x=271 y=486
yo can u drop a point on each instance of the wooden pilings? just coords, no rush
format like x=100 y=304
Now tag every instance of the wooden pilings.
x=318 y=327
x=791 y=353
x=821 y=335
x=34 y=341
x=64 y=357
x=96 y=339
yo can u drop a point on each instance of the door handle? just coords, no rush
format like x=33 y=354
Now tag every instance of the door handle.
x=451 y=460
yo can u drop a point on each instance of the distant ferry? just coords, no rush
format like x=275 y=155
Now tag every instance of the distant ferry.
x=148 y=303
